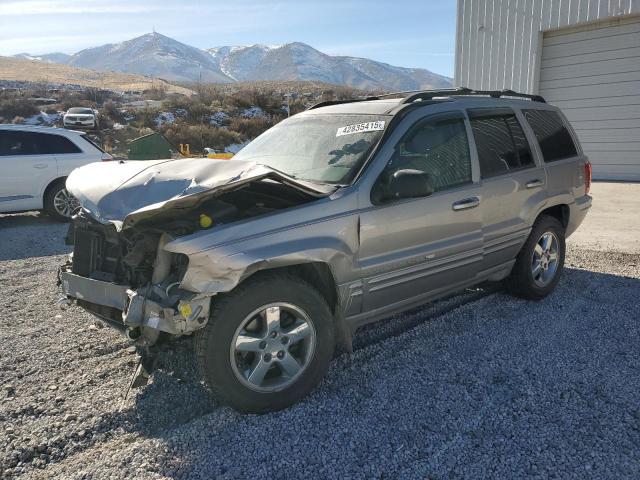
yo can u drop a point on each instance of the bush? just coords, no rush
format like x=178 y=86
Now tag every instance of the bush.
x=146 y=117
x=198 y=137
x=111 y=111
x=249 y=128
x=14 y=107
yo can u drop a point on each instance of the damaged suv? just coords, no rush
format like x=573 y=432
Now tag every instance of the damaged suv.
x=339 y=216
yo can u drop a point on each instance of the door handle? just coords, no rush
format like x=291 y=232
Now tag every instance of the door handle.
x=535 y=183
x=40 y=166
x=471 y=202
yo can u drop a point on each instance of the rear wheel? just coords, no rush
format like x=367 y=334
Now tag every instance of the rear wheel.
x=59 y=203
x=267 y=344
x=540 y=262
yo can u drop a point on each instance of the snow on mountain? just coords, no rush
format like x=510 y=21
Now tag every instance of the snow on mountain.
x=154 y=55
x=298 y=61
x=56 y=57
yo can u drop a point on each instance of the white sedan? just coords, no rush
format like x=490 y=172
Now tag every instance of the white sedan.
x=80 y=117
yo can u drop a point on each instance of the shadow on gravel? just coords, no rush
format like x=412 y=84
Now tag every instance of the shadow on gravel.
x=31 y=235
x=175 y=395
x=494 y=386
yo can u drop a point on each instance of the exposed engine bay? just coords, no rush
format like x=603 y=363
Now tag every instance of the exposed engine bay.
x=134 y=283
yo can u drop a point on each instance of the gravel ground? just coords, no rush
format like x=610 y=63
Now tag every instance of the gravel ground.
x=479 y=385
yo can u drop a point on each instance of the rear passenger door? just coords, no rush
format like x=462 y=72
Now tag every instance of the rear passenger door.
x=513 y=183
x=563 y=163
x=27 y=167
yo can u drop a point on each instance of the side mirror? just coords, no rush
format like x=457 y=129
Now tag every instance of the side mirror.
x=405 y=184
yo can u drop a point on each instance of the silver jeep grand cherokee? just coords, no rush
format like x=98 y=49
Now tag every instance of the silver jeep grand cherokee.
x=339 y=216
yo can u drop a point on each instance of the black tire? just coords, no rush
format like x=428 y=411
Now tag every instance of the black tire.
x=49 y=197
x=521 y=281
x=213 y=343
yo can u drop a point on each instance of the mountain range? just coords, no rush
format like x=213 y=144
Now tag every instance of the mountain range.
x=159 y=56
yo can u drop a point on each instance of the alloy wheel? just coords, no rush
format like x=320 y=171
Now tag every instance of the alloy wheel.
x=545 y=259
x=64 y=203
x=272 y=347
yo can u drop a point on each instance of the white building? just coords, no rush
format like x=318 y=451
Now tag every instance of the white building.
x=582 y=55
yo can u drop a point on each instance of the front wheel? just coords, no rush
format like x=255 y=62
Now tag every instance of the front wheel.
x=59 y=203
x=267 y=344
x=540 y=262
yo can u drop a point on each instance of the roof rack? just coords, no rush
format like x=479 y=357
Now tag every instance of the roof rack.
x=338 y=102
x=424 y=95
x=463 y=91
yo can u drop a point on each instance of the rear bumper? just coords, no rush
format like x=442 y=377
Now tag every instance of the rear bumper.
x=150 y=307
x=577 y=212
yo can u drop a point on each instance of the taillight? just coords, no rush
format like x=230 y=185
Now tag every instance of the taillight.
x=587 y=177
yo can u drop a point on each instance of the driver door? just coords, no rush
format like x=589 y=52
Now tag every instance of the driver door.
x=412 y=249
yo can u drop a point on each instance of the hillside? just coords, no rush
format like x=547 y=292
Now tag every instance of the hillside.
x=153 y=55
x=299 y=61
x=16 y=69
x=159 y=56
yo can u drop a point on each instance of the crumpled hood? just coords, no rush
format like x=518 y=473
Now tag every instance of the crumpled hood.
x=125 y=192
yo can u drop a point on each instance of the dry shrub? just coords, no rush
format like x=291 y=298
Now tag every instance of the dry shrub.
x=13 y=107
x=249 y=128
x=198 y=137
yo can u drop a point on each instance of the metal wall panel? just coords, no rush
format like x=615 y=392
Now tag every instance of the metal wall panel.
x=582 y=55
x=602 y=60
x=498 y=42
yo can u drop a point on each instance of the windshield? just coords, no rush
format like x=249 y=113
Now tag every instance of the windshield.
x=318 y=148
x=80 y=110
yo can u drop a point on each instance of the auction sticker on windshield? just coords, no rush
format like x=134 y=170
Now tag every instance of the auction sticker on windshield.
x=361 y=128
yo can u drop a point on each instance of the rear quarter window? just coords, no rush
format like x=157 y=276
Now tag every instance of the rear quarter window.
x=57 y=144
x=552 y=134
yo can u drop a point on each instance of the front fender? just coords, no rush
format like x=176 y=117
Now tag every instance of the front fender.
x=221 y=269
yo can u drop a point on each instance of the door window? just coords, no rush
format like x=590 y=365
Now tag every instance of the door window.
x=500 y=141
x=34 y=143
x=553 y=136
x=437 y=147
x=17 y=143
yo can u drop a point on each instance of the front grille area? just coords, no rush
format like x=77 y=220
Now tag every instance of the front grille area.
x=102 y=253
x=87 y=252
x=97 y=251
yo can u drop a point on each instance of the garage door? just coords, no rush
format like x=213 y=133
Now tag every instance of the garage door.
x=593 y=74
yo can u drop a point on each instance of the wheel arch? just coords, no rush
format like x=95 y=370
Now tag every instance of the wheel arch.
x=560 y=211
x=51 y=184
x=321 y=277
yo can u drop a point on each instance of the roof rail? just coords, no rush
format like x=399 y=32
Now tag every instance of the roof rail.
x=338 y=102
x=463 y=91
x=424 y=95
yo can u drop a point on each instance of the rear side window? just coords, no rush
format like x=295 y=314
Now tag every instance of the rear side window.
x=34 y=143
x=57 y=144
x=500 y=141
x=552 y=134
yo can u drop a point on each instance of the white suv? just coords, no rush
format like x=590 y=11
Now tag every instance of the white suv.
x=35 y=163
x=80 y=117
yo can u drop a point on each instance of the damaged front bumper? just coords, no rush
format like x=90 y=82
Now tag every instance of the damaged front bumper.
x=144 y=313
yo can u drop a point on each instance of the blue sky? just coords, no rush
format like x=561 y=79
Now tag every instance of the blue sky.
x=408 y=33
